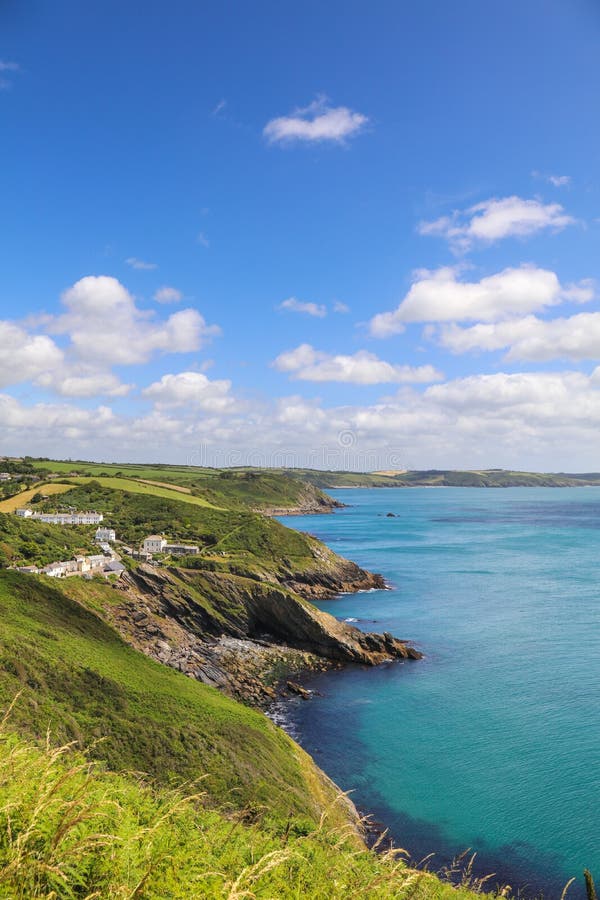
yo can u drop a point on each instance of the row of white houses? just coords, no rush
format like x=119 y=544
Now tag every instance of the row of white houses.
x=80 y=565
x=74 y=518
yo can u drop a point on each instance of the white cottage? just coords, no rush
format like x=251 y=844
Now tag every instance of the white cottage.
x=154 y=543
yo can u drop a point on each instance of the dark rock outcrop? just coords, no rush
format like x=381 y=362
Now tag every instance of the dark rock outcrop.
x=216 y=604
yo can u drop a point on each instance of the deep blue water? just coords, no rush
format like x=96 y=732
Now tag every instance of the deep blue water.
x=493 y=740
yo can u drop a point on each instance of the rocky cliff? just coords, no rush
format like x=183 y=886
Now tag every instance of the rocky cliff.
x=243 y=635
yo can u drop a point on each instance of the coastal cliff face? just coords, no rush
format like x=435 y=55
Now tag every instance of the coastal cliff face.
x=309 y=500
x=243 y=635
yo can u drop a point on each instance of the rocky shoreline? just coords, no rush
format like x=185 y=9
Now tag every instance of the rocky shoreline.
x=263 y=636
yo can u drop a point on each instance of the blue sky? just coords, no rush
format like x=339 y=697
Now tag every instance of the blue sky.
x=362 y=235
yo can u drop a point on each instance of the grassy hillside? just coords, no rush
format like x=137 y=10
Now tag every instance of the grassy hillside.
x=24 y=542
x=81 y=682
x=25 y=497
x=259 y=542
x=257 y=488
x=442 y=478
x=147 y=489
x=71 y=830
x=279 y=487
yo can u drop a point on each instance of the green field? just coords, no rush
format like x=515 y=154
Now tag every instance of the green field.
x=279 y=482
x=148 y=490
x=22 y=499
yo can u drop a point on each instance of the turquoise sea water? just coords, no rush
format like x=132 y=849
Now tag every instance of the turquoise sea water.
x=493 y=740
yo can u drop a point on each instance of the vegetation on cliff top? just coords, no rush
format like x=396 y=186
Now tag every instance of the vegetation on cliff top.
x=81 y=682
x=24 y=542
x=73 y=830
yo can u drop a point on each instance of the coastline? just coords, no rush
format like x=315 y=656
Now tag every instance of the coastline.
x=327 y=737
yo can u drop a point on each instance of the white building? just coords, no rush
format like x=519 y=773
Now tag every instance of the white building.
x=56 y=570
x=154 y=543
x=104 y=535
x=5 y=476
x=76 y=518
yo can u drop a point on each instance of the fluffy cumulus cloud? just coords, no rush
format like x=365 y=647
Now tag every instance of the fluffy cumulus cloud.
x=531 y=338
x=545 y=421
x=25 y=357
x=300 y=306
x=81 y=381
x=317 y=122
x=308 y=364
x=191 y=389
x=443 y=296
x=105 y=326
x=101 y=327
x=496 y=219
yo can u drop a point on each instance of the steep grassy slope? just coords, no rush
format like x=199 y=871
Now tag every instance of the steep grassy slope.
x=82 y=682
x=72 y=831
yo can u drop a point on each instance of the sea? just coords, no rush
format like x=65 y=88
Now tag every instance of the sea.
x=491 y=743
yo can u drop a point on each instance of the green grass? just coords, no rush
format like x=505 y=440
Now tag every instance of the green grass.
x=246 y=538
x=24 y=497
x=81 y=682
x=147 y=490
x=24 y=542
x=257 y=488
x=71 y=830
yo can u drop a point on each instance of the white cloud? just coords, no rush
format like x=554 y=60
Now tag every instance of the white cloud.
x=307 y=364
x=106 y=328
x=190 y=389
x=202 y=239
x=496 y=219
x=219 y=107
x=339 y=307
x=136 y=263
x=23 y=356
x=543 y=421
x=440 y=296
x=168 y=294
x=314 y=123
x=79 y=382
x=299 y=306
x=530 y=338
